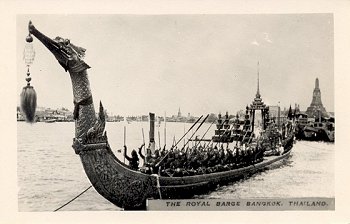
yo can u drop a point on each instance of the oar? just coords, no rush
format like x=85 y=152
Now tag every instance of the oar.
x=124 y=141
x=223 y=135
x=184 y=134
x=245 y=135
x=190 y=138
x=197 y=129
x=162 y=159
x=197 y=143
x=158 y=137
x=207 y=146
x=188 y=131
x=143 y=138
x=220 y=138
x=174 y=141
x=164 y=129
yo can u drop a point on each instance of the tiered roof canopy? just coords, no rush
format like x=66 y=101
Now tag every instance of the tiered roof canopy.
x=257 y=103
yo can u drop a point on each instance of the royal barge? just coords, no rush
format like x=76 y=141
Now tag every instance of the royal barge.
x=124 y=187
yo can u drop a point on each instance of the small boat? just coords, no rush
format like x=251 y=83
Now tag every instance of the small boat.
x=315 y=130
x=50 y=120
x=126 y=188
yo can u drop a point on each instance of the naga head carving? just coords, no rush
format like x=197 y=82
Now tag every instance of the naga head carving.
x=68 y=55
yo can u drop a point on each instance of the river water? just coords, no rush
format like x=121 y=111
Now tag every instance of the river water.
x=50 y=173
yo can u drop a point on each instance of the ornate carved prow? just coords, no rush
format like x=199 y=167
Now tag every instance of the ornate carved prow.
x=71 y=58
x=106 y=173
x=95 y=137
x=97 y=130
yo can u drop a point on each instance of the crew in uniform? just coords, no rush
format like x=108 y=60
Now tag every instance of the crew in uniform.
x=133 y=160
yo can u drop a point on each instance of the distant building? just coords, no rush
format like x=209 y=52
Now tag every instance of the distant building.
x=296 y=109
x=20 y=117
x=316 y=107
x=113 y=118
x=273 y=114
x=179 y=113
x=144 y=117
x=43 y=114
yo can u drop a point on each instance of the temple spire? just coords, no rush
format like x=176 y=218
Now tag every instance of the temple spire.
x=258 y=90
x=316 y=107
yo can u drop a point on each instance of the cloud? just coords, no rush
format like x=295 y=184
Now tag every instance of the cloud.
x=267 y=38
x=255 y=43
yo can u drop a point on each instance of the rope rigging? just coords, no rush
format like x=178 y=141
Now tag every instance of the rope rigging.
x=73 y=199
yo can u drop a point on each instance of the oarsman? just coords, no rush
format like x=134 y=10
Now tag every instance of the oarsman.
x=146 y=168
x=222 y=156
x=195 y=161
x=155 y=158
x=163 y=152
x=250 y=155
x=140 y=153
x=212 y=158
x=245 y=156
x=204 y=158
x=133 y=160
x=284 y=130
x=257 y=152
x=228 y=157
x=183 y=159
x=237 y=156
x=169 y=159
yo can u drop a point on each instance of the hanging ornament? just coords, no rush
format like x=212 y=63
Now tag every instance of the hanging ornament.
x=29 y=53
x=28 y=95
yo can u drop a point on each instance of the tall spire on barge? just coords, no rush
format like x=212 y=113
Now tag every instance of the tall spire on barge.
x=258 y=104
x=258 y=90
x=257 y=100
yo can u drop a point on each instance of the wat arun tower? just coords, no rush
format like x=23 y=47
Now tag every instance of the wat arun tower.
x=316 y=104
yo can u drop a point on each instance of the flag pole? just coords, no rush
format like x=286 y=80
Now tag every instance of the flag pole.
x=158 y=135
x=164 y=129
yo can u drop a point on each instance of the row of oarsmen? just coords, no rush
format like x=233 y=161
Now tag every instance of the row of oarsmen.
x=196 y=160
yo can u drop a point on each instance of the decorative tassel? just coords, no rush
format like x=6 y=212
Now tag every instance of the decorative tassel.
x=28 y=103
x=28 y=95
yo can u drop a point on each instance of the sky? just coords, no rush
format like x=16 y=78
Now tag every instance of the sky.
x=199 y=63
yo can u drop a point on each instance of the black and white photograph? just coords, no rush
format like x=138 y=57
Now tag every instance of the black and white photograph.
x=123 y=112
x=174 y=111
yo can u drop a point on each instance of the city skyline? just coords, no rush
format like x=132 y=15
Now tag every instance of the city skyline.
x=201 y=63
